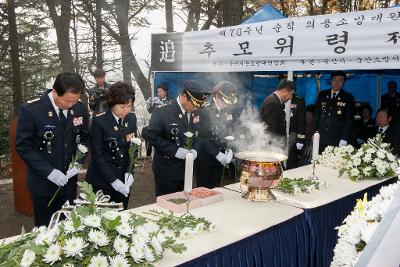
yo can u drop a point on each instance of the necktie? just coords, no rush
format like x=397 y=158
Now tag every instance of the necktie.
x=334 y=95
x=120 y=121
x=380 y=130
x=63 y=119
x=188 y=116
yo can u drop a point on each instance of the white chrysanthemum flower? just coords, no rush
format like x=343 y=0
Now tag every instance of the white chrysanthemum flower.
x=367 y=158
x=357 y=162
x=148 y=254
x=98 y=238
x=310 y=188
x=367 y=232
x=27 y=258
x=161 y=237
x=186 y=233
x=370 y=150
x=391 y=157
x=188 y=134
x=354 y=172
x=83 y=149
x=98 y=261
x=137 y=141
x=45 y=237
x=124 y=229
x=74 y=246
x=155 y=243
x=199 y=227
x=229 y=138
x=119 y=261
x=121 y=245
x=92 y=220
x=136 y=253
x=143 y=231
x=125 y=216
x=139 y=240
x=296 y=190
x=380 y=154
x=110 y=215
x=52 y=254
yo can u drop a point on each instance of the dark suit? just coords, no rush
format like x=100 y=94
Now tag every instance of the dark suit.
x=166 y=134
x=37 y=121
x=216 y=125
x=272 y=113
x=110 y=158
x=334 y=118
x=97 y=100
x=365 y=129
x=392 y=103
x=392 y=137
x=297 y=130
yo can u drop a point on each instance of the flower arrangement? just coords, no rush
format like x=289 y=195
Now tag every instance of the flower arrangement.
x=133 y=152
x=333 y=157
x=75 y=163
x=359 y=226
x=93 y=236
x=188 y=140
x=296 y=186
x=372 y=160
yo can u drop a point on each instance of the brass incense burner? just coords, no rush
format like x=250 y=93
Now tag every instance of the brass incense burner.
x=259 y=171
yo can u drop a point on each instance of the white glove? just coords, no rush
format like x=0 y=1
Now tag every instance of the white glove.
x=129 y=179
x=299 y=146
x=57 y=177
x=120 y=187
x=72 y=172
x=229 y=155
x=194 y=152
x=181 y=153
x=222 y=158
x=343 y=143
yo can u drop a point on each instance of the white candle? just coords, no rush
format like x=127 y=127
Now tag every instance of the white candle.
x=315 y=148
x=188 y=185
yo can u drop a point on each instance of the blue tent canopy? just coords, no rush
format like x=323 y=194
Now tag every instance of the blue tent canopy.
x=265 y=13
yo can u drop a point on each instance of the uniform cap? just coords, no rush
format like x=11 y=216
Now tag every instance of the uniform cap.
x=198 y=93
x=227 y=91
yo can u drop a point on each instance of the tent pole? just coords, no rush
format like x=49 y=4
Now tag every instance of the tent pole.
x=379 y=85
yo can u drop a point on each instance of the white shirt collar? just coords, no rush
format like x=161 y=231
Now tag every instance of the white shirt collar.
x=115 y=117
x=180 y=105
x=216 y=104
x=384 y=128
x=280 y=100
x=56 y=109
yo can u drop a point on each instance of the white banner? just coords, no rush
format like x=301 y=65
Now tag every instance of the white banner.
x=358 y=40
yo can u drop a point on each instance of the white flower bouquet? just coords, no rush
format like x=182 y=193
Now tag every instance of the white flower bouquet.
x=334 y=157
x=94 y=236
x=373 y=160
x=188 y=140
x=295 y=186
x=359 y=226
x=133 y=152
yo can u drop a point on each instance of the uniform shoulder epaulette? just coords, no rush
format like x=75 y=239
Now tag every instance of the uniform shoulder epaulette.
x=100 y=114
x=32 y=101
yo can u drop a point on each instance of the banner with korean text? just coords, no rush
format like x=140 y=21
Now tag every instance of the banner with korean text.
x=357 y=40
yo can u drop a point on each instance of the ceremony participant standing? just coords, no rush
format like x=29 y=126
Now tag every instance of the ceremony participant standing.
x=166 y=130
x=110 y=136
x=365 y=126
x=97 y=101
x=388 y=130
x=215 y=153
x=334 y=113
x=297 y=131
x=272 y=111
x=391 y=102
x=48 y=131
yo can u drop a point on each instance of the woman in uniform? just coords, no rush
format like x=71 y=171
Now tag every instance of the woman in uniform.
x=110 y=136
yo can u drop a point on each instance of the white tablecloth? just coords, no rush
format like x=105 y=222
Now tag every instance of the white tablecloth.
x=235 y=218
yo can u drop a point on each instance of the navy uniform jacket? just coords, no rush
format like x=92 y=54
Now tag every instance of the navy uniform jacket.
x=298 y=118
x=366 y=129
x=216 y=125
x=272 y=113
x=391 y=136
x=334 y=117
x=393 y=104
x=109 y=144
x=37 y=120
x=166 y=134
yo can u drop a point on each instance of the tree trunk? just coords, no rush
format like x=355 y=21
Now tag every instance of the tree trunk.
x=61 y=24
x=169 y=18
x=121 y=9
x=14 y=53
x=324 y=7
x=211 y=16
x=311 y=10
x=232 y=12
x=75 y=34
x=99 y=37
x=283 y=8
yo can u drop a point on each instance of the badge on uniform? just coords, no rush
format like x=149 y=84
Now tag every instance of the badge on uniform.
x=50 y=113
x=229 y=117
x=115 y=128
x=126 y=125
x=71 y=112
x=339 y=112
x=48 y=136
x=196 y=119
x=180 y=116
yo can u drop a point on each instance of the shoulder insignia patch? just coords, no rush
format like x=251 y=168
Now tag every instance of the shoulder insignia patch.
x=33 y=100
x=100 y=114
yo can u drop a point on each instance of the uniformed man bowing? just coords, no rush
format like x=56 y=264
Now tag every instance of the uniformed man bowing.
x=297 y=130
x=48 y=132
x=166 y=130
x=216 y=151
x=334 y=113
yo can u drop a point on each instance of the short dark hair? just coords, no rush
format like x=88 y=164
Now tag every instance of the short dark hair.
x=163 y=86
x=68 y=82
x=367 y=107
x=392 y=82
x=388 y=112
x=99 y=73
x=285 y=84
x=339 y=73
x=120 y=93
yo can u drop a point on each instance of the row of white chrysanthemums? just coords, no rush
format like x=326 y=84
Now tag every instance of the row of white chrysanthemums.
x=91 y=244
x=359 y=226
